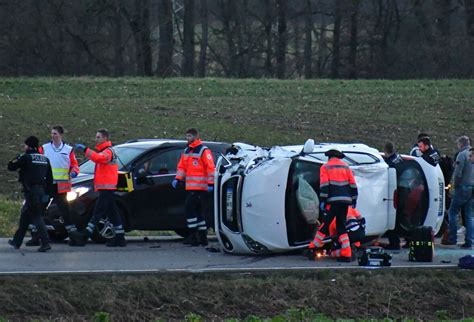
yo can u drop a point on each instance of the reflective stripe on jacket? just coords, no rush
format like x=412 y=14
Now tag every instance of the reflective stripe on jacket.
x=337 y=183
x=63 y=162
x=196 y=167
x=106 y=168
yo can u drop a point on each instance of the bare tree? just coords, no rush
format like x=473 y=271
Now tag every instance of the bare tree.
x=353 y=39
x=282 y=38
x=204 y=12
x=165 y=49
x=308 y=43
x=336 y=39
x=188 y=39
x=268 y=22
x=118 y=47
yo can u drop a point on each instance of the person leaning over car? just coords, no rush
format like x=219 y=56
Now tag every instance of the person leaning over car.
x=463 y=178
x=36 y=178
x=428 y=153
x=338 y=191
x=196 y=167
x=105 y=181
x=64 y=167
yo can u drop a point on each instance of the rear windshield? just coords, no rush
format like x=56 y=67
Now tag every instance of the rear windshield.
x=124 y=154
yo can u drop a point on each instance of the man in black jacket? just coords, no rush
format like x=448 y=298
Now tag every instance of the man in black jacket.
x=36 y=178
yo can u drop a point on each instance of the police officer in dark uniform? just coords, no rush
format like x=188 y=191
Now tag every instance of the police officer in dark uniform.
x=36 y=178
x=428 y=153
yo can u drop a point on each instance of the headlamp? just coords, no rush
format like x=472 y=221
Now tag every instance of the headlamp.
x=76 y=193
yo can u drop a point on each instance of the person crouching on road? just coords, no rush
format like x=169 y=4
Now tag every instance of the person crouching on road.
x=36 y=178
x=196 y=168
x=64 y=167
x=105 y=181
x=338 y=192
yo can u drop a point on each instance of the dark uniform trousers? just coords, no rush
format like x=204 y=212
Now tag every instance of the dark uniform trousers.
x=105 y=207
x=195 y=207
x=338 y=211
x=32 y=212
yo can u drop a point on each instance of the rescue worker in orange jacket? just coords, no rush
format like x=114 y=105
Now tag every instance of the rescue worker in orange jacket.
x=339 y=191
x=65 y=167
x=105 y=181
x=196 y=168
x=353 y=220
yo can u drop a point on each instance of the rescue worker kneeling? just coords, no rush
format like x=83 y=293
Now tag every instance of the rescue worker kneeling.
x=338 y=191
x=355 y=228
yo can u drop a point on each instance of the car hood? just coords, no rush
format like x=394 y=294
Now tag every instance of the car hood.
x=82 y=178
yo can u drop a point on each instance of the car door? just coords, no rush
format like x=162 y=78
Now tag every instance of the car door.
x=156 y=204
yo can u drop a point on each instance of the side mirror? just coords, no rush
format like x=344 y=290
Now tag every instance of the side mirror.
x=141 y=173
x=308 y=146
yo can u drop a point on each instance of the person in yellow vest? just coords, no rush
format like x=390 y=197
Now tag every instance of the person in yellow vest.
x=64 y=167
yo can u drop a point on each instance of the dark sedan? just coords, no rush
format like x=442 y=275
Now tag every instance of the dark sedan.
x=145 y=197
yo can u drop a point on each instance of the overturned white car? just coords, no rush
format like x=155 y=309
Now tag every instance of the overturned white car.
x=266 y=200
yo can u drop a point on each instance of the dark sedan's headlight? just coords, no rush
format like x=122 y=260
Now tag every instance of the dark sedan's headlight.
x=76 y=193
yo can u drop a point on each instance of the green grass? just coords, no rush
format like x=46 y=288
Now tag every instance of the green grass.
x=9 y=214
x=263 y=112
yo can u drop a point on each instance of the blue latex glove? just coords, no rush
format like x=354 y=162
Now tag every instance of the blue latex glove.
x=45 y=199
x=354 y=204
x=80 y=147
x=322 y=206
x=210 y=188
x=73 y=174
x=174 y=183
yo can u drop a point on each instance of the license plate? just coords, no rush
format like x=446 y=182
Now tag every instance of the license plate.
x=229 y=204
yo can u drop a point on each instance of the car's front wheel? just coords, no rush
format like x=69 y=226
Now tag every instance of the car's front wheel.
x=104 y=230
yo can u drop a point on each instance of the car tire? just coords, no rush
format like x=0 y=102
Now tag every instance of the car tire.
x=57 y=235
x=103 y=230
x=183 y=232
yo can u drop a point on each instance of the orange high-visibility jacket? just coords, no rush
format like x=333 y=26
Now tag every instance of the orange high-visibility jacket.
x=63 y=163
x=337 y=183
x=106 y=168
x=196 y=167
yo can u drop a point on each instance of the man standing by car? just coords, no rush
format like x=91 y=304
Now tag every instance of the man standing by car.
x=196 y=168
x=105 y=181
x=428 y=153
x=338 y=191
x=64 y=167
x=36 y=179
x=463 y=194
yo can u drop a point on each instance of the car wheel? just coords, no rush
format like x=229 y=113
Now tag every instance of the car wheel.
x=57 y=235
x=104 y=230
x=184 y=232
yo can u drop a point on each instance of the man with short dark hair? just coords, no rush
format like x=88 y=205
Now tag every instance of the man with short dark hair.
x=36 y=178
x=415 y=151
x=463 y=178
x=428 y=153
x=196 y=168
x=105 y=181
x=392 y=158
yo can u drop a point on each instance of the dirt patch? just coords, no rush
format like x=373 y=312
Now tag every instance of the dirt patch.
x=375 y=294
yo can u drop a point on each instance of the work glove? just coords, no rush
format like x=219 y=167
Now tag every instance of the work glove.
x=210 y=188
x=45 y=199
x=80 y=147
x=73 y=174
x=174 y=184
x=322 y=207
x=354 y=203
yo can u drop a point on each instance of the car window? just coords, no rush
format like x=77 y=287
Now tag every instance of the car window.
x=124 y=154
x=164 y=162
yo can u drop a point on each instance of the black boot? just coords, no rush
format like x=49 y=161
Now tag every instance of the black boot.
x=44 y=248
x=194 y=239
x=191 y=238
x=202 y=237
x=117 y=241
x=34 y=241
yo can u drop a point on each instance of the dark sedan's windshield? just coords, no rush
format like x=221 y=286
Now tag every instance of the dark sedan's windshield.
x=125 y=154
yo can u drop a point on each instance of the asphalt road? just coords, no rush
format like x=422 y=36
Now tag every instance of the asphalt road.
x=170 y=255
